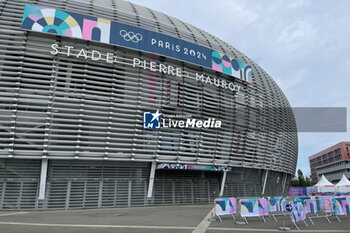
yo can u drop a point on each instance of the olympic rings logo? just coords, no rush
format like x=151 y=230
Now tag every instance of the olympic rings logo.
x=130 y=36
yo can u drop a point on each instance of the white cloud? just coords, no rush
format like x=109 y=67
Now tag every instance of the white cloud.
x=293 y=79
x=296 y=4
x=298 y=34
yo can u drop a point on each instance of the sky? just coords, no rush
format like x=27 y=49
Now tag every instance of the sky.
x=304 y=45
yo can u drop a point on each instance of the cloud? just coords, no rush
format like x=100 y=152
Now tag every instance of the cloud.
x=296 y=4
x=294 y=78
x=297 y=35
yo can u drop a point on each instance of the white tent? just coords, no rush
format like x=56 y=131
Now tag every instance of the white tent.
x=343 y=185
x=323 y=185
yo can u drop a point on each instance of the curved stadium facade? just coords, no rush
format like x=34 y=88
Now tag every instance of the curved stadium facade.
x=81 y=83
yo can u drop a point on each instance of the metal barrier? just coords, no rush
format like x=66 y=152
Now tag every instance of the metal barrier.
x=319 y=206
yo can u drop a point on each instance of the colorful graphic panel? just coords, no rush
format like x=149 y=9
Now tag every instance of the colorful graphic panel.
x=299 y=211
x=311 y=206
x=253 y=207
x=276 y=204
x=283 y=204
x=341 y=205
x=49 y=20
x=302 y=199
x=224 y=206
x=325 y=203
x=310 y=203
x=231 y=66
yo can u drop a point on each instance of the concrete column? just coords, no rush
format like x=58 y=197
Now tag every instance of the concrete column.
x=69 y=187
x=151 y=180
x=285 y=175
x=129 y=192
x=264 y=184
x=43 y=177
x=100 y=192
x=3 y=194
x=223 y=181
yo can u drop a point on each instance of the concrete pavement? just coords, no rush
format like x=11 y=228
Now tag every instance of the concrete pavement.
x=168 y=219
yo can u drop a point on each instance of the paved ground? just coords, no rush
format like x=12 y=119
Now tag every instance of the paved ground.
x=179 y=219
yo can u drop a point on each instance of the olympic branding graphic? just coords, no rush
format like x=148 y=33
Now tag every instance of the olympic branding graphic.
x=231 y=66
x=130 y=36
x=50 y=20
x=64 y=23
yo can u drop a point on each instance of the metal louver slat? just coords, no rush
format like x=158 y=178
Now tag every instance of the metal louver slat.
x=93 y=184
x=57 y=192
x=19 y=182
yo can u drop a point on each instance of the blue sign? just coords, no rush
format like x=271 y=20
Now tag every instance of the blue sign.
x=151 y=120
x=289 y=207
x=49 y=20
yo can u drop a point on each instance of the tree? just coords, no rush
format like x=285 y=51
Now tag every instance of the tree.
x=308 y=181
x=294 y=182
x=300 y=180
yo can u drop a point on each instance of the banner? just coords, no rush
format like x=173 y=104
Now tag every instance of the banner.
x=311 y=190
x=253 y=207
x=224 y=206
x=64 y=23
x=299 y=211
x=312 y=206
x=310 y=203
x=341 y=205
x=297 y=191
x=324 y=203
x=275 y=204
x=301 y=199
x=283 y=204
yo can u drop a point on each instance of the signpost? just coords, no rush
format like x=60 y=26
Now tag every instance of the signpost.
x=289 y=208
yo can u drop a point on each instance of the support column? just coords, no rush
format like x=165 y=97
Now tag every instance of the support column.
x=151 y=180
x=285 y=175
x=100 y=193
x=2 y=198
x=129 y=192
x=69 y=187
x=43 y=176
x=223 y=184
x=265 y=179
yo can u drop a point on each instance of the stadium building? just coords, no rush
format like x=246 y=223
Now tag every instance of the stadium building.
x=108 y=103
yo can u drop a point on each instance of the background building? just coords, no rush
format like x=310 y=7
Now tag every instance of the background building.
x=71 y=126
x=332 y=162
